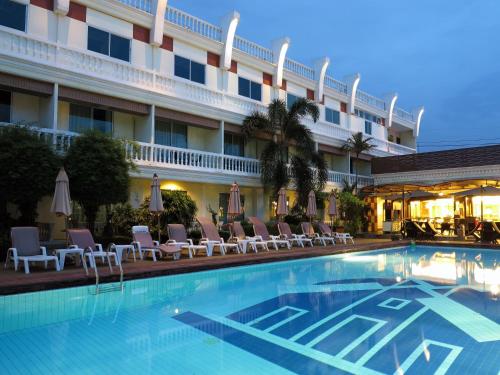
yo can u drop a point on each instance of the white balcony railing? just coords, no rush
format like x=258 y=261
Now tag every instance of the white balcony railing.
x=194 y=24
x=370 y=100
x=147 y=154
x=299 y=69
x=252 y=49
x=144 y=5
x=336 y=85
x=339 y=178
x=404 y=115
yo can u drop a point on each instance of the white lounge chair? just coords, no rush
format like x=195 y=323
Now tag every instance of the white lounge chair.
x=238 y=235
x=341 y=237
x=299 y=239
x=26 y=248
x=308 y=230
x=177 y=236
x=82 y=239
x=212 y=240
x=262 y=233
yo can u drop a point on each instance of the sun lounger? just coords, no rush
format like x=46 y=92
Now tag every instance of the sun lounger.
x=238 y=235
x=490 y=232
x=299 y=239
x=328 y=232
x=144 y=243
x=212 y=240
x=262 y=234
x=82 y=239
x=26 y=248
x=177 y=236
x=308 y=230
x=415 y=230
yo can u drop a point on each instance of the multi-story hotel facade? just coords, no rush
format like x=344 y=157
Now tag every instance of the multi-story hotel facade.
x=178 y=87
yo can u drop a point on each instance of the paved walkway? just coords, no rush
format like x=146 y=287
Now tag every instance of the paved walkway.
x=40 y=279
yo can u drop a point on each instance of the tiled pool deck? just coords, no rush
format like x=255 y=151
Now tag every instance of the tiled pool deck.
x=12 y=282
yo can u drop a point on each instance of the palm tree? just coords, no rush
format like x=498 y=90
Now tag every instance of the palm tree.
x=357 y=145
x=307 y=166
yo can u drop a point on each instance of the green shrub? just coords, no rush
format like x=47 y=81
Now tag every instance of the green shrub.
x=352 y=209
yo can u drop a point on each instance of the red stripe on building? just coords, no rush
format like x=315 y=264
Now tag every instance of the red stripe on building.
x=343 y=107
x=310 y=94
x=168 y=43
x=213 y=59
x=46 y=4
x=234 y=67
x=141 y=34
x=267 y=79
x=77 y=12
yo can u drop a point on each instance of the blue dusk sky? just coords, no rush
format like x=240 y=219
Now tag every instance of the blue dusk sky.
x=443 y=54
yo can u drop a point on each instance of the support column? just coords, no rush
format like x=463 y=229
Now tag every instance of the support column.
x=390 y=104
x=280 y=47
x=54 y=106
x=320 y=67
x=152 y=121
x=221 y=137
x=352 y=82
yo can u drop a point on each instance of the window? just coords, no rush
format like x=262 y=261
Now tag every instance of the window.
x=368 y=127
x=332 y=116
x=13 y=15
x=5 y=103
x=108 y=44
x=249 y=89
x=234 y=145
x=290 y=100
x=368 y=116
x=171 y=133
x=83 y=118
x=188 y=69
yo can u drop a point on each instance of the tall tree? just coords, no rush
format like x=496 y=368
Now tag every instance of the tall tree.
x=98 y=170
x=307 y=167
x=356 y=145
x=28 y=169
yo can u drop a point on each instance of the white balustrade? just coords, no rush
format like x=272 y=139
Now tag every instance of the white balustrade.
x=336 y=85
x=144 y=5
x=404 y=115
x=299 y=69
x=252 y=49
x=340 y=177
x=370 y=100
x=194 y=24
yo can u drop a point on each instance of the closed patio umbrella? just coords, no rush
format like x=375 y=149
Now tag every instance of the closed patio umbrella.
x=311 y=205
x=61 y=203
x=156 y=202
x=282 y=209
x=234 y=205
x=332 y=206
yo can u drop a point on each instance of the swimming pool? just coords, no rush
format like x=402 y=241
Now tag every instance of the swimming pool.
x=407 y=310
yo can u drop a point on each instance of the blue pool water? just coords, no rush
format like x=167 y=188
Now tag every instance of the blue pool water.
x=414 y=310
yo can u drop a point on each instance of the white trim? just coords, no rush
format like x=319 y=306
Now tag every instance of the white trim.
x=280 y=48
x=352 y=87
x=229 y=24
x=320 y=67
x=390 y=103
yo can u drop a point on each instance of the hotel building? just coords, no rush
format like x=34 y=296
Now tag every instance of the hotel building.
x=179 y=87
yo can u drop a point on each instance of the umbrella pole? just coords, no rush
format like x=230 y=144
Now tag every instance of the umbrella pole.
x=159 y=229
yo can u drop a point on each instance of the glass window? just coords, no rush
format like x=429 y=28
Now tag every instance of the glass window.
x=170 y=133
x=119 y=48
x=368 y=127
x=290 y=100
x=234 y=145
x=179 y=135
x=83 y=118
x=80 y=118
x=197 y=72
x=102 y=120
x=108 y=44
x=98 y=41
x=13 y=15
x=181 y=67
x=5 y=103
x=243 y=87
x=332 y=116
x=256 y=91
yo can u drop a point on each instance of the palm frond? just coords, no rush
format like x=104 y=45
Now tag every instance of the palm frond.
x=255 y=121
x=301 y=135
x=303 y=107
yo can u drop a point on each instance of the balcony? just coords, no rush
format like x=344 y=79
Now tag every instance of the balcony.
x=153 y=156
x=61 y=60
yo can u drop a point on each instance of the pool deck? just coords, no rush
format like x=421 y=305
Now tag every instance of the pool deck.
x=12 y=282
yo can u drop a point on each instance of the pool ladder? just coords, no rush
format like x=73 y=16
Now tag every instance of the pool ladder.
x=111 y=287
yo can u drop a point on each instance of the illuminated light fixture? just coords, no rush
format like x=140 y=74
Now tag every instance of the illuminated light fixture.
x=398 y=279
x=170 y=186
